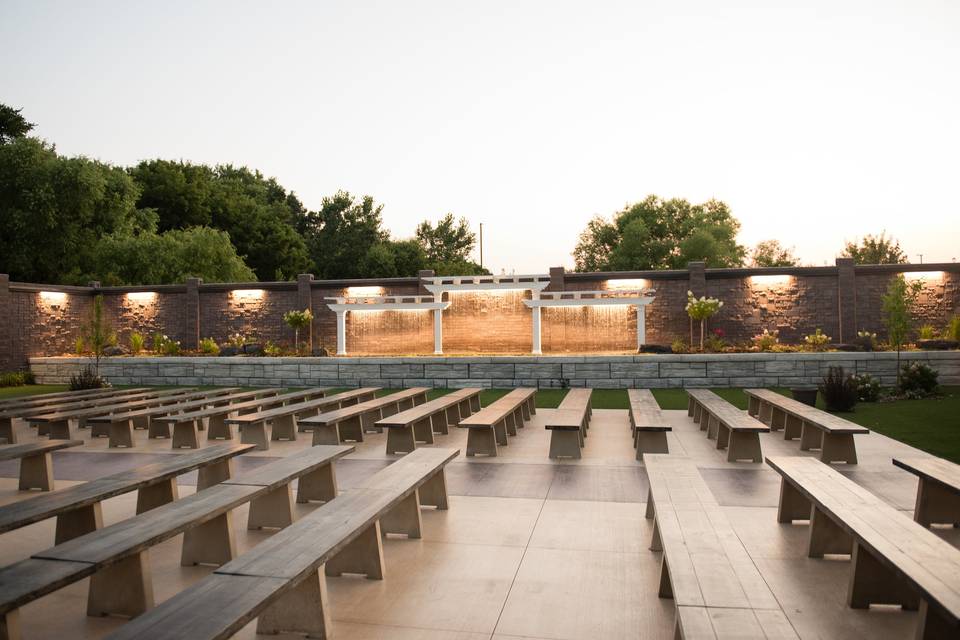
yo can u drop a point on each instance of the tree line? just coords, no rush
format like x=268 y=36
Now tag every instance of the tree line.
x=71 y=220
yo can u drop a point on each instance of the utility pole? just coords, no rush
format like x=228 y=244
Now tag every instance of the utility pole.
x=921 y=257
x=481 y=245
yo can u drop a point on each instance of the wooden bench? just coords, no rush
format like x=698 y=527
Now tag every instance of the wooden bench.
x=117 y=557
x=733 y=429
x=77 y=508
x=817 y=429
x=36 y=465
x=283 y=420
x=895 y=560
x=280 y=581
x=491 y=425
x=351 y=422
x=938 y=490
x=647 y=422
x=568 y=424
x=216 y=417
x=705 y=569
x=51 y=398
x=418 y=424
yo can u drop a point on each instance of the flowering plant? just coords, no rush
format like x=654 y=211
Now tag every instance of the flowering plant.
x=817 y=341
x=700 y=309
x=765 y=341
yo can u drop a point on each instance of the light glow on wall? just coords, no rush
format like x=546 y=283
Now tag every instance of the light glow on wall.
x=770 y=281
x=924 y=276
x=142 y=297
x=246 y=295
x=353 y=292
x=632 y=284
x=53 y=297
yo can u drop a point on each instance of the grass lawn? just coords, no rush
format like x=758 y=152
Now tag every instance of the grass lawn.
x=7 y=393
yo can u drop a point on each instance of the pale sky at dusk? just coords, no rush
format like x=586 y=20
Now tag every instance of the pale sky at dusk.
x=816 y=123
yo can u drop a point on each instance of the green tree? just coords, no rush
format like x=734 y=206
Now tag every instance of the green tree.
x=340 y=235
x=53 y=210
x=872 y=249
x=97 y=332
x=897 y=304
x=660 y=234
x=449 y=241
x=770 y=253
x=12 y=124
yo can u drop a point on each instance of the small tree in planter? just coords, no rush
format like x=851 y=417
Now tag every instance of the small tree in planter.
x=701 y=309
x=98 y=334
x=897 y=302
x=298 y=320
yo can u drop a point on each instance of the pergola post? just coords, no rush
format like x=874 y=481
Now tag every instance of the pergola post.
x=641 y=325
x=537 y=349
x=341 y=332
x=438 y=332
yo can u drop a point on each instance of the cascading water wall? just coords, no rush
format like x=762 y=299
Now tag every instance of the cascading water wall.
x=494 y=321
x=406 y=332
x=589 y=329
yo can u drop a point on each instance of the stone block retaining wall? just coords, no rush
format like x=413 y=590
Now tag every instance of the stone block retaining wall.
x=599 y=372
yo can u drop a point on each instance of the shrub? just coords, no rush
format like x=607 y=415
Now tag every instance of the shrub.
x=87 y=379
x=866 y=341
x=868 y=388
x=953 y=329
x=237 y=340
x=927 y=332
x=839 y=390
x=171 y=347
x=298 y=320
x=136 y=341
x=679 y=345
x=918 y=379
x=765 y=341
x=272 y=349
x=209 y=346
x=157 y=342
x=16 y=378
x=716 y=342
x=78 y=346
x=817 y=341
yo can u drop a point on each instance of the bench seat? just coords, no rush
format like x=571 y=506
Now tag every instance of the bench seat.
x=647 y=422
x=490 y=426
x=351 y=422
x=36 y=464
x=895 y=560
x=938 y=490
x=18 y=409
x=734 y=430
x=817 y=430
x=419 y=423
x=568 y=424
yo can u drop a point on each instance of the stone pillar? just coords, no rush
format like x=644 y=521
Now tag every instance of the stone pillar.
x=342 y=332
x=424 y=273
x=557 y=278
x=641 y=325
x=438 y=332
x=698 y=278
x=305 y=301
x=191 y=313
x=537 y=347
x=846 y=300
x=8 y=331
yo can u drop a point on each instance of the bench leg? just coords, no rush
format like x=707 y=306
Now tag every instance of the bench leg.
x=158 y=429
x=100 y=430
x=59 y=430
x=364 y=555
x=156 y=495
x=656 y=544
x=303 y=609
x=933 y=626
x=142 y=423
x=793 y=428
x=723 y=436
x=218 y=429
x=403 y=518
x=273 y=510
x=838 y=447
x=320 y=485
x=691 y=408
x=36 y=472
x=651 y=442
x=936 y=504
x=213 y=542
x=186 y=434
x=698 y=417
x=500 y=432
x=255 y=433
x=77 y=522
x=351 y=429
x=753 y=406
x=400 y=440
x=765 y=412
x=793 y=504
x=564 y=444
x=525 y=411
x=368 y=422
x=778 y=419
x=433 y=492
x=712 y=425
x=826 y=537
x=744 y=445
x=7 y=431
x=482 y=441
x=666 y=589
x=475 y=403
x=423 y=430
x=214 y=473
x=284 y=428
x=872 y=583
x=510 y=422
x=810 y=437
x=122 y=589
x=121 y=434
x=438 y=424
x=326 y=434
x=650 y=508
x=10 y=625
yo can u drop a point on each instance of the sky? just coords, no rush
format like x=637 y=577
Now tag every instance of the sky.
x=817 y=122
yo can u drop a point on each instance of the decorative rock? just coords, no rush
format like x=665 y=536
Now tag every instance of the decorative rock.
x=937 y=345
x=253 y=349
x=226 y=352
x=655 y=348
x=116 y=350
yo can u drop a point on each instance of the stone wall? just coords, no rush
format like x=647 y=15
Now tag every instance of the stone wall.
x=640 y=371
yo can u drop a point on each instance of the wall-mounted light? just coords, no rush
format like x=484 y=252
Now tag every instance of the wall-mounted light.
x=770 y=281
x=246 y=295
x=924 y=276
x=141 y=297
x=353 y=292
x=53 y=297
x=632 y=284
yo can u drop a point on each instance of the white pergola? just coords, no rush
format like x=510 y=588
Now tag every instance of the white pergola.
x=611 y=297
x=387 y=303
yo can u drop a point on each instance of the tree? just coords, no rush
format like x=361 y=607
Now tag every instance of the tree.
x=660 y=234
x=875 y=250
x=449 y=241
x=770 y=253
x=97 y=333
x=897 y=304
x=12 y=124
x=298 y=320
x=341 y=233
